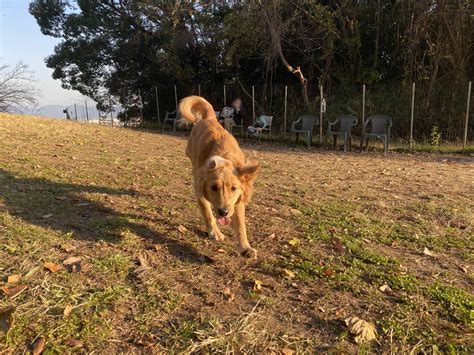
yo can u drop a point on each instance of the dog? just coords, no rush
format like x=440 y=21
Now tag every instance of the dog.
x=223 y=177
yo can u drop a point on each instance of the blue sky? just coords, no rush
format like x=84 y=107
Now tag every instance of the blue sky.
x=21 y=39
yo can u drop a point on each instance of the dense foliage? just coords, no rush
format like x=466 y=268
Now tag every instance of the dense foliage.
x=108 y=47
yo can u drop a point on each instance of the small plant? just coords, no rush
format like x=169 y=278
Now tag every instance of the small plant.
x=435 y=137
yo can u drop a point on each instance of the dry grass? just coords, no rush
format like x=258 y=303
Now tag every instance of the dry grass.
x=111 y=194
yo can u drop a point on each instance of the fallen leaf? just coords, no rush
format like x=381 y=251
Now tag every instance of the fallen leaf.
x=295 y=212
x=329 y=272
x=294 y=242
x=61 y=198
x=67 y=310
x=145 y=259
x=85 y=267
x=47 y=215
x=363 y=330
x=257 y=285
x=220 y=250
x=385 y=288
x=288 y=273
x=426 y=251
x=229 y=295
x=73 y=343
x=72 y=260
x=338 y=245
x=182 y=229
x=271 y=236
x=13 y=279
x=287 y=351
x=321 y=309
x=53 y=267
x=463 y=268
x=6 y=319
x=38 y=346
x=13 y=291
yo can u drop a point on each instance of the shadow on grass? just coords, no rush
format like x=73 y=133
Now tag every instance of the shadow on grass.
x=63 y=208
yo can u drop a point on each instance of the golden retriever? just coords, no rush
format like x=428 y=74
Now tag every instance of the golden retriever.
x=223 y=177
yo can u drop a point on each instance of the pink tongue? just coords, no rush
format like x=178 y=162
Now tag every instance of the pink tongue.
x=223 y=221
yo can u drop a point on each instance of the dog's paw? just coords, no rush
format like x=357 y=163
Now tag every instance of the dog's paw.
x=217 y=235
x=250 y=253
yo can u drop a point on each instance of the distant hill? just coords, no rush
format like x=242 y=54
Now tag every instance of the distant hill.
x=56 y=111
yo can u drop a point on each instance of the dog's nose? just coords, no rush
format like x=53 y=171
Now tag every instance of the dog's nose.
x=223 y=212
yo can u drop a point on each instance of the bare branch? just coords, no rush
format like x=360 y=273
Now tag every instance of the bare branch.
x=16 y=88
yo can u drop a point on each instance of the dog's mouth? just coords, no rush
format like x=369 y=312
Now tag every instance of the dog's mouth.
x=224 y=221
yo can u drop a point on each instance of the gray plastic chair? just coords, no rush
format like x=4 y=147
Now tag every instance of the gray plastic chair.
x=173 y=118
x=345 y=124
x=380 y=126
x=305 y=124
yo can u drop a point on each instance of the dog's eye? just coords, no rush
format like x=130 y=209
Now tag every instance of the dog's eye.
x=214 y=187
x=233 y=188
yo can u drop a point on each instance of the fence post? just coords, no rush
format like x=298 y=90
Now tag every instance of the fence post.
x=225 y=98
x=111 y=113
x=466 y=122
x=412 y=113
x=157 y=105
x=284 y=117
x=176 y=98
x=363 y=106
x=253 y=103
x=141 y=104
x=199 y=89
x=75 y=110
x=321 y=115
x=87 y=111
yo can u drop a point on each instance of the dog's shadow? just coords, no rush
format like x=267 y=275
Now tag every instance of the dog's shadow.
x=64 y=208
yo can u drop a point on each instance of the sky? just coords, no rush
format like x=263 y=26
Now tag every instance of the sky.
x=22 y=40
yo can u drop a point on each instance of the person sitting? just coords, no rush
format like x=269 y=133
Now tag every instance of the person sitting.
x=230 y=115
x=258 y=126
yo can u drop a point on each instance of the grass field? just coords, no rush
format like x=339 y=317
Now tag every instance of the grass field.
x=386 y=239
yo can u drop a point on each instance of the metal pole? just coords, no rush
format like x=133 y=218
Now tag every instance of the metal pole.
x=141 y=104
x=253 y=103
x=111 y=113
x=321 y=114
x=412 y=114
x=157 y=105
x=176 y=97
x=466 y=122
x=87 y=111
x=225 y=97
x=199 y=89
x=284 y=117
x=363 y=105
x=75 y=110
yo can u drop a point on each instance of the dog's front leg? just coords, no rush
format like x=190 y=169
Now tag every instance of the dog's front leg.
x=238 y=225
x=209 y=219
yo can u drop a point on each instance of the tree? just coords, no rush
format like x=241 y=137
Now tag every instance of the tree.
x=17 y=91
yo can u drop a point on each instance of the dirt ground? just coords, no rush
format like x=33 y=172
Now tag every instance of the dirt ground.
x=386 y=239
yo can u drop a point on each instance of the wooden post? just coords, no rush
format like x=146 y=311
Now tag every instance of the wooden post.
x=176 y=97
x=75 y=110
x=157 y=105
x=199 y=89
x=141 y=104
x=363 y=105
x=225 y=97
x=321 y=114
x=466 y=122
x=253 y=103
x=284 y=116
x=87 y=111
x=412 y=114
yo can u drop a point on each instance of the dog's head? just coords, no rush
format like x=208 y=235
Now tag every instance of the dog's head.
x=224 y=185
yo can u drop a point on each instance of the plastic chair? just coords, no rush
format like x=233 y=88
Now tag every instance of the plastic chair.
x=267 y=127
x=305 y=124
x=345 y=122
x=380 y=126
x=241 y=126
x=171 y=117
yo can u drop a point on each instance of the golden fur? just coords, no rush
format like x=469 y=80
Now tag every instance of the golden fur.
x=223 y=178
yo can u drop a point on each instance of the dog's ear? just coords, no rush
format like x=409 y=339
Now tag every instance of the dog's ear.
x=216 y=162
x=249 y=171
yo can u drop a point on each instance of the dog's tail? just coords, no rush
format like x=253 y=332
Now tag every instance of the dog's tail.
x=195 y=108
